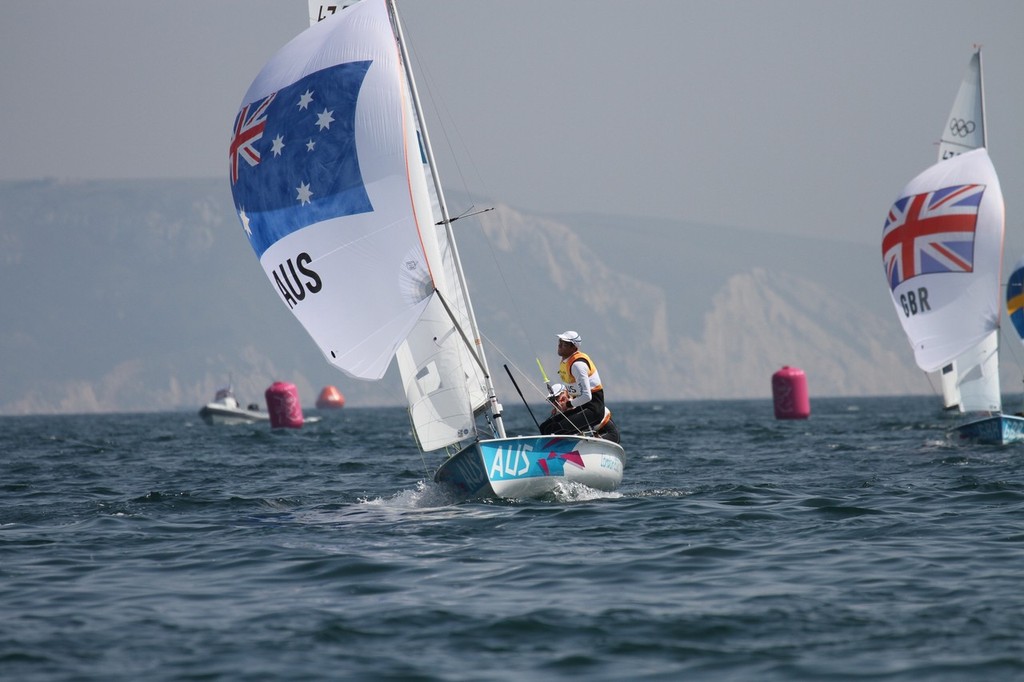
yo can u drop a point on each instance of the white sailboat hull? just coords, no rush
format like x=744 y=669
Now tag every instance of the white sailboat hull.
x=532 y=466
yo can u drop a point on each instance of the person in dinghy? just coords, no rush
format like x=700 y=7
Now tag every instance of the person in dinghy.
x=578 y=402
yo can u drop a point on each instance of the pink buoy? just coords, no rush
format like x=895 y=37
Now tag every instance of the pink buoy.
x=283 y=406
x=789 y=390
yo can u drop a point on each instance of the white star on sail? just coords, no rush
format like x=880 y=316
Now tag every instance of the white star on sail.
x=245 y=222
x=278 y=145
x=306 y=98
x=304 y=193
x=324 y=119
x=310 y=146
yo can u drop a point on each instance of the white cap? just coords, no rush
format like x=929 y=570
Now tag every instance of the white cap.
x=571 y=337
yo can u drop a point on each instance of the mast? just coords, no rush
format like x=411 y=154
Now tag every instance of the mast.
x=478 y=351
x=981 y=98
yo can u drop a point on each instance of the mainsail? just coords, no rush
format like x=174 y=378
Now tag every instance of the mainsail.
x=942 y=251
x=964 y=130
x=332 y=181
x=965 y=127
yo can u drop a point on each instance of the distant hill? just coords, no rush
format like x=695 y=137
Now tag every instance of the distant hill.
x=144 y=295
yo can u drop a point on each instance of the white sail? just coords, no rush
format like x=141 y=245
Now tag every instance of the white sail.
x=373 y=273
x=444 y=373
x=336 y=230
x=950 y=390
x=978 y=378
x=942 y=250
x=965 y=126
x=964 y=130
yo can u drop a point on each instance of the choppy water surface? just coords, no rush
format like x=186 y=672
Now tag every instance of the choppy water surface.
x=859 y=544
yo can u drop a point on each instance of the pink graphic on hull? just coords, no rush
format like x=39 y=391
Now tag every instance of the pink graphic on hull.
x=560 y=458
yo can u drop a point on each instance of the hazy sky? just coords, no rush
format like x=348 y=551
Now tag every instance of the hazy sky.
x=802 y=116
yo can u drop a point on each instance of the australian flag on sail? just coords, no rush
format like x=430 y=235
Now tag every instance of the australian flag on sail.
x=931 y=232
x=293 y=156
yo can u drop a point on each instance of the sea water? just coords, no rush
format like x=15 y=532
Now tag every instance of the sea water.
x=860 y=544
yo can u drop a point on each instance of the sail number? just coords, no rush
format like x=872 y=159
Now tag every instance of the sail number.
x=325 y=10
x=510 y=462
x=915 y=302
x=294 y=279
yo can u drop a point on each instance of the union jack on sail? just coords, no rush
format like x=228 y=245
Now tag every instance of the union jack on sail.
x=249 y=125
x=930 y=233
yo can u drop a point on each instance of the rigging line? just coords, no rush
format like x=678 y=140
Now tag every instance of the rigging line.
x=462 y=333
x=429 y=81
x=928 y=378
x=465 y=214
x=522 y=397
x=511 y=257
x=439 y=107
x=426 y=470
x=512 y=362
x=518 y=315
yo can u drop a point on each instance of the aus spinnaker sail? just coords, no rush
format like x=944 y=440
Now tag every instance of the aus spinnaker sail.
x=320 y=180
x=331 y=182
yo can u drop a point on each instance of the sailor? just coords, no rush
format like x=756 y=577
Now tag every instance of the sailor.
x=578 y=408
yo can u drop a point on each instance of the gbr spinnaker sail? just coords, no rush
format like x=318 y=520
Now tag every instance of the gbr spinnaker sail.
x=942 y=249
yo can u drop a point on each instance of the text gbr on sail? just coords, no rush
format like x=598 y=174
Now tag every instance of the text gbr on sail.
x=294 y=285
x=915 y=302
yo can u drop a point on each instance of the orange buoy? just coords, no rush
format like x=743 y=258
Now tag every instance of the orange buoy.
x=789 y=390
x=330 y=399
x=283 y=406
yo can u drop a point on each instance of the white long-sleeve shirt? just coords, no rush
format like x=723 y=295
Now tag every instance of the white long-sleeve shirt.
x=581 y=386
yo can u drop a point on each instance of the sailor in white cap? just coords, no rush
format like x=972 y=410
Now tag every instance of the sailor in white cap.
x=580 y=408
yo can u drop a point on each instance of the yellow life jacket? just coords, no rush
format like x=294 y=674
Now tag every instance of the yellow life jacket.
x=593 y=378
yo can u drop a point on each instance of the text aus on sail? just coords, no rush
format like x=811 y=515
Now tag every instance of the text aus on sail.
x=295 y=278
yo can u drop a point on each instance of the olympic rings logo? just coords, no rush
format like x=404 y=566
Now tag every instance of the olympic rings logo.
x=960 y=127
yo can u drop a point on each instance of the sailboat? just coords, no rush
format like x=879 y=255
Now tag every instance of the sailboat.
x=942 y=248
x=965 y=130
x=336 y=187
x=1015 y=298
